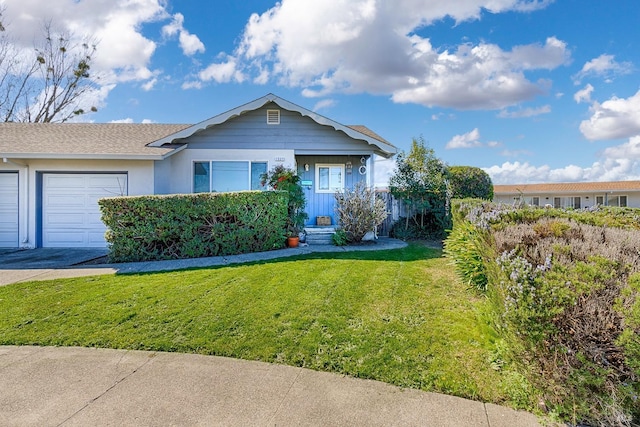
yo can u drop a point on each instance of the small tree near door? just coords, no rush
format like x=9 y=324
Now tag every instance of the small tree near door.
x=420 y=181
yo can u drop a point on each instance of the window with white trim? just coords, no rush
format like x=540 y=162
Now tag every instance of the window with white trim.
x=225 y=176
x=273 y=117
x=599 y=200
x=329 y=178
x=535 y=201
x=619 y=201
x=577 y=203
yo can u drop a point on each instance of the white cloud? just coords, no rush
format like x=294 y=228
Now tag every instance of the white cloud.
x=467 y=140
x=189 y=43
x=370 y=46
x=583 y=95
x=224 y=72
x=524 y=113
x=147 y=86
x=130 y=120
x=604 y=66
x=325 y=103
x=613 y=119
x=618 y=163
x=192 y=84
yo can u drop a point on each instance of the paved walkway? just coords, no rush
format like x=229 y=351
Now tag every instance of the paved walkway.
x=48 y=263
x=58 y=386
x=48 y=386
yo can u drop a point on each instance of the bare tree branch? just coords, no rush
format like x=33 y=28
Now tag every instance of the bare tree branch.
x=52 y=85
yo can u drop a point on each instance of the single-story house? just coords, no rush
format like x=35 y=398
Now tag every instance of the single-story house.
x=52 y=175
x=575 y=195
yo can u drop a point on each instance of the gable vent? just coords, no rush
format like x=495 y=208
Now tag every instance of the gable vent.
x=273 y=117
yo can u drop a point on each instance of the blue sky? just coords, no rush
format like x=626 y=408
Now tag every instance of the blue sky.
x=529 y=90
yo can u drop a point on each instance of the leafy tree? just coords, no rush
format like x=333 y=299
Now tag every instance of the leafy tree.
x=469 y=181
x=49 y=85
x=420 y=181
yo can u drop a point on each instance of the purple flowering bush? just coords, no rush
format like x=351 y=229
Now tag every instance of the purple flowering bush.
x=565 y=288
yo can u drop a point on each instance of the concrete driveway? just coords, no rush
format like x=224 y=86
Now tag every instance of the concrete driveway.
x=25 y=264
x=26 y=259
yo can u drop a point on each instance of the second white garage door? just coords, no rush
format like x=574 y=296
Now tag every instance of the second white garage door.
x=70 y=211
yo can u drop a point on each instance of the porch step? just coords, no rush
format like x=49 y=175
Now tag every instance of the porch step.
x=319 y=235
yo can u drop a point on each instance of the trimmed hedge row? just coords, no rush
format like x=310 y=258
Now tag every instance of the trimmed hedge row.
x=144 y=228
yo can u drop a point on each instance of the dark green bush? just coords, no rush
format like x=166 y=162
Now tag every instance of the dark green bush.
x=142 y=228
x=340 y=237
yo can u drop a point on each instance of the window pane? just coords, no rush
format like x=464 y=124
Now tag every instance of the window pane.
x=599 y=200
x=336 y=178
x=257 y=169
x=536 y=201
x=201 y=177
x=323 y=178
x=576 y=202
x=229 y=176
x=556 y=202
x=623 y=201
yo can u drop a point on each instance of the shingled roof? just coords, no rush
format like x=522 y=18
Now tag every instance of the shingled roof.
x=568 y=187
x=85 y=140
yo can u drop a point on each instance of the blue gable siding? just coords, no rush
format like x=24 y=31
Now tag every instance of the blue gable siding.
x=311 y=143
x=323 y=204
x=295 y=132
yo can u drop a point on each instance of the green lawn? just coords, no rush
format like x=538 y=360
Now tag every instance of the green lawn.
x=398 y=316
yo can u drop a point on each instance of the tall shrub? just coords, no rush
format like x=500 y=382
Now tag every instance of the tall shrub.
x=470 y=182
x=359 y=211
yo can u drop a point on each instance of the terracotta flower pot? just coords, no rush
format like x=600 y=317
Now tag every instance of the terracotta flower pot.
x=292 y=242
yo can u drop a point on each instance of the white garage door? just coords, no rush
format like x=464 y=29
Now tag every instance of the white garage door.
x=70 y=211
x=9 y=210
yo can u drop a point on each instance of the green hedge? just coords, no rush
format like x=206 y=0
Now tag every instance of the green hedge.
x=143 y=228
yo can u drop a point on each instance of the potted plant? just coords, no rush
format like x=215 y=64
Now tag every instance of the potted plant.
x=285 y=179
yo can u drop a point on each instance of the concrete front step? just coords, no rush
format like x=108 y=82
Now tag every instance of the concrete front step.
x=319 y=235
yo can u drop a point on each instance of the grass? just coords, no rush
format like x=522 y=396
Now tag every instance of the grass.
x=398 y=316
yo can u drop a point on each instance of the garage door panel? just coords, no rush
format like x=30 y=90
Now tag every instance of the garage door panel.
x=8 y=210
x=66 y=182
x=64 y=219
x=116 y=183
x=71 y=214
x=62 y=238
x=65 y=201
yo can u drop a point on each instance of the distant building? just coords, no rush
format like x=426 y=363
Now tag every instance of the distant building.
x=571 y=194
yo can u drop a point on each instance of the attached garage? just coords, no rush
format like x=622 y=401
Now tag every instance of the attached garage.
x=70 y=211
x=8 y=210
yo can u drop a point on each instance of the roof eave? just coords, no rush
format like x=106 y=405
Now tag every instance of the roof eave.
x=94 y=156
